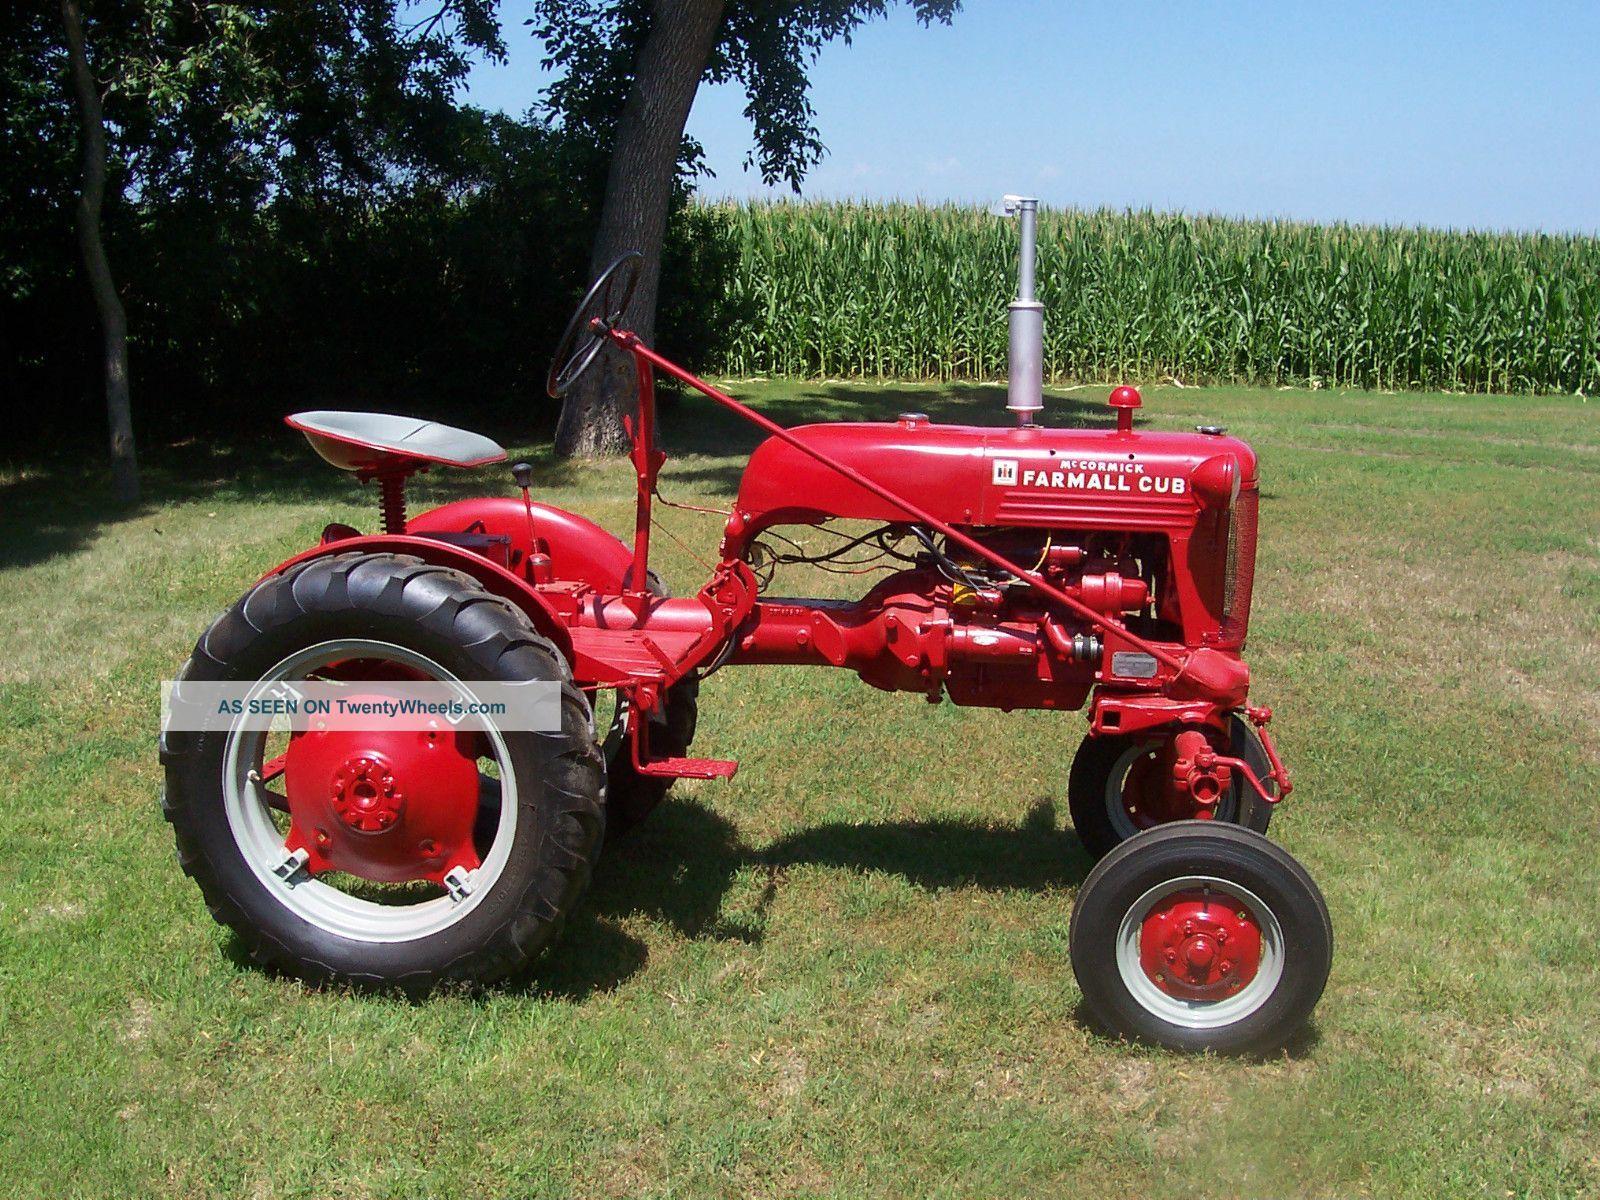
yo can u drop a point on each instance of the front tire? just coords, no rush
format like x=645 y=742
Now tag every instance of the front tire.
x=1109 y=805
x=1201 y=936
x=412 y=613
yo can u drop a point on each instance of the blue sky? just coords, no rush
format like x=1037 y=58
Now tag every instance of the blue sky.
x=1460 y=115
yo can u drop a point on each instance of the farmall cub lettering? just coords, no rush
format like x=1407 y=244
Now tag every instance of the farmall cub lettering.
x=1024 y=566
x=1089 y=476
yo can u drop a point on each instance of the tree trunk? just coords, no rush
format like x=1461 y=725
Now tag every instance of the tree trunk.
x=644 y=164
x=113 y=320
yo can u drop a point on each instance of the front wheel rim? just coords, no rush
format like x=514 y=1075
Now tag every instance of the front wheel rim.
x=262 y=844
x=1189 y=1011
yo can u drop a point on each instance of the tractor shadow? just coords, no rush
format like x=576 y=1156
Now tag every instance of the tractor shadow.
x=679 y=866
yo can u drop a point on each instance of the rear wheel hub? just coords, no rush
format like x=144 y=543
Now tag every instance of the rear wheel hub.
x=365 y=796
x=390 y=806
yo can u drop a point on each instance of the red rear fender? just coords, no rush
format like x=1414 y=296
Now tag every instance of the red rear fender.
x=494 y=578
x=579 y=550
x=492 y=539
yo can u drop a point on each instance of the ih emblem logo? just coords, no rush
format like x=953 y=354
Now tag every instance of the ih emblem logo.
x=1005 y=472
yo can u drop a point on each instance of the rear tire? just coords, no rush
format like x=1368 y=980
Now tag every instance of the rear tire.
x=447 y=617
x=1095 y=788
x=1148 y=974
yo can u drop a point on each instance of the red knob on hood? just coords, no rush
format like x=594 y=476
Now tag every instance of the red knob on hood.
x=1125 y=399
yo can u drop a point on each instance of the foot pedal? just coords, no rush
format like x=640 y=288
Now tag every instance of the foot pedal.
x=689 y=768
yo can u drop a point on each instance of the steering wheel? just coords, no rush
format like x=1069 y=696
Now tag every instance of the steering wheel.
x=596 y=316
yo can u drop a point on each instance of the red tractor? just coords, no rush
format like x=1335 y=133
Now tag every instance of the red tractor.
x=1031 y=568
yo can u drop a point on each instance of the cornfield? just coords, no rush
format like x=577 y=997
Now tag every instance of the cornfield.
x=918 y=292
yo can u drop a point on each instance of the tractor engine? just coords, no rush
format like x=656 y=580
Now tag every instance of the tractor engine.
x=1153 y=531
x=951 y=624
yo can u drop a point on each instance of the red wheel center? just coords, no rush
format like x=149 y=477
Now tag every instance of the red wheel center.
x=1199 y=945
x=385 y=805
x=1198 y=954
x=1149 y=799
x=365 y=796
x=1154 y=793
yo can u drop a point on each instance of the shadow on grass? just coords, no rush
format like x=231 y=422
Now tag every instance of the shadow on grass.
x=57 y=505
x=677 y=869
x=680 y=864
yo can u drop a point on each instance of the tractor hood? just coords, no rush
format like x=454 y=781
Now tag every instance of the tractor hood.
x=976 y=475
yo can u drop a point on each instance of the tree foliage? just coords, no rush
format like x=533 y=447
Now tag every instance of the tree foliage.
x=766 y=46
x=252 y=150
x=231 y=103
x=301 y=209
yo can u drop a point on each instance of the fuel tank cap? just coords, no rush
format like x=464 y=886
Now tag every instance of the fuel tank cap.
x=912 y=419
x=1213 y=430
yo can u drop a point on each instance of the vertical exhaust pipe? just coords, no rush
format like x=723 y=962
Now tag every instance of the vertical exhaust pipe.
x=1025 y=380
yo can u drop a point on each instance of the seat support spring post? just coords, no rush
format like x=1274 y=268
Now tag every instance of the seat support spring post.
x=392 y=501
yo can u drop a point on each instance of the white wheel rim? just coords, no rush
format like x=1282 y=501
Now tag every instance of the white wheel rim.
x=1116 y=810
x=261 y=842
x=1200 y=1014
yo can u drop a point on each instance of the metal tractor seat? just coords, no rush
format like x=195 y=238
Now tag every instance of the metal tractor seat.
x=388 y=448
x=382 y=443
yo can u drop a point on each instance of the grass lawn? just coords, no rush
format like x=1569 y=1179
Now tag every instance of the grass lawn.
x=845 y=973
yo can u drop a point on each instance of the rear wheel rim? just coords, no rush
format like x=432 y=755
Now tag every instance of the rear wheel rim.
x=1185 y=1009
x=261 y=843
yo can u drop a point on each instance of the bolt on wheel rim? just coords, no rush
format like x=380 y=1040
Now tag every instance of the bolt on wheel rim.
x=248 y=805
x=1191 y=989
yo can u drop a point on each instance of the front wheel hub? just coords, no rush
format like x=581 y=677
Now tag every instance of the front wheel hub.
x=391 y=806
x=1199 y=945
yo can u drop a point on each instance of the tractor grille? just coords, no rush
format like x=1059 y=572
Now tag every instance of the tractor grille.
x=1240 y=573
